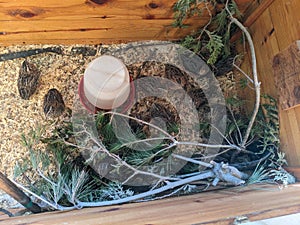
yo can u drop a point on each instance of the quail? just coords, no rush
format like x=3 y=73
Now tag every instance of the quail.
x=28 y=79
x=53 y=105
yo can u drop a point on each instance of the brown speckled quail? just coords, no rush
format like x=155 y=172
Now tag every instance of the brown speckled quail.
x=28 y=79
x=53 y=105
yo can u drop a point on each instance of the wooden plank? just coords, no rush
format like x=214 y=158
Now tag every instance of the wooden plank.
x=98 y=21
x=252 y=13
x=104 y=32
x=287 y=144
x=294 y=134
x=67 y=10
x=295 y=171
x=93 y=21
x=286 y=20
x=218 y=207
x=266 y=47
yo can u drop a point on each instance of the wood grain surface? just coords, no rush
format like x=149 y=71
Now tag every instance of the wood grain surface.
x=93 y=21
x=286 y=66
x=218 y=207
x=272 y=32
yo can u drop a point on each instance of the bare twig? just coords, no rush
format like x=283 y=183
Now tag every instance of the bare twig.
x=242 y=71
x=143 y=122
x=35 y=195
x=255 y=75
x=169 y=186
x=232 y=146
x=192 y=160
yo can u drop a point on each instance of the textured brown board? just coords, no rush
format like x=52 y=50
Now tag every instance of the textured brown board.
x=93 y=21
x=286 y=66
x=221 y=207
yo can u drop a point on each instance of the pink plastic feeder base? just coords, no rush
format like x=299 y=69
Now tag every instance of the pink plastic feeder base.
x=93 y=109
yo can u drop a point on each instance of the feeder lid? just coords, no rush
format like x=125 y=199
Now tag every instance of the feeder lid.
x=106 y=82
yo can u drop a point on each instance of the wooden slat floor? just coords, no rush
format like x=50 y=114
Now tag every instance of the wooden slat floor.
x=256 y=202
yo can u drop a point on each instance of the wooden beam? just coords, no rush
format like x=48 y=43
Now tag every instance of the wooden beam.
x=93 y=21
x=253 y=15
x=256 y=202
x=90 y=21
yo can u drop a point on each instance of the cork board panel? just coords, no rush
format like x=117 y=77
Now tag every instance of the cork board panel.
x=286 y=66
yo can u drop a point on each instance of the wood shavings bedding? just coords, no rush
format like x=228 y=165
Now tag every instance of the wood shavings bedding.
x=17 y=116
x=61 y=71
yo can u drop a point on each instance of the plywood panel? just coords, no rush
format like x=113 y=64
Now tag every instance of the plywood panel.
x=218 y=207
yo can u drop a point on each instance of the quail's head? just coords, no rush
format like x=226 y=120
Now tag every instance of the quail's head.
x=53 y=105
x=28 y=79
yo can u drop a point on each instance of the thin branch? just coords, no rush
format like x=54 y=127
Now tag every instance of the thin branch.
x=208 y=23
x=102 y=148
x=214 y=155
x=192 y=160
x=232 y=146
x=223 y=136
x=40 y=173
x=144 y=140
x=143 y=122
x=255 y=75
x=242 y=71
x=36 y=196
x=169 y=186
x=164 y=196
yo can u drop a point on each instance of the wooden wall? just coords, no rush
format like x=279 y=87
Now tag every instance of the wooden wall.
x=92 y=21
x=274 y=31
